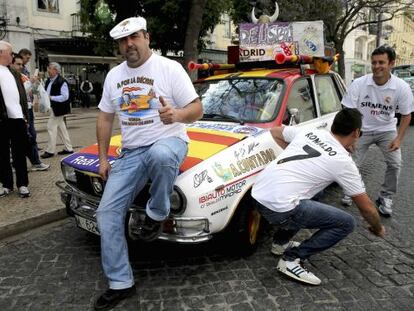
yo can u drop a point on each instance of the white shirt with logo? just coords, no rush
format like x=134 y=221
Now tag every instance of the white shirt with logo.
x=133 y=94
x=379 y=103
x=312 y=161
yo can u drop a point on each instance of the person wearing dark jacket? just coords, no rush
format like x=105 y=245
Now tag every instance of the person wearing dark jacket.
x=58 y=89
x=13 y=126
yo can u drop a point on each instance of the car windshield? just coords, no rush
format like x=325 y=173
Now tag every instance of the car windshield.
x=240 y=100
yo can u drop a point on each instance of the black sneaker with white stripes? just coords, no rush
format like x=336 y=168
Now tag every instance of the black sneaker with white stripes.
x=295 y=270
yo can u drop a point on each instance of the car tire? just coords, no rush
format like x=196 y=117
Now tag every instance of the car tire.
x=245 y=228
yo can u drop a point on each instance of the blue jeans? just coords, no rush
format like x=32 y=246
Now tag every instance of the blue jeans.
x=333 y=224
x=130 y=173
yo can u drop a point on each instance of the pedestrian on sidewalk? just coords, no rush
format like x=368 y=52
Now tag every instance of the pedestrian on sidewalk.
x=32 y=150
x=13 y=126
x=378 y=96
x=86 y=87
x=26 y=55
x=312 y=160
x=58 y=89
x=153 y=97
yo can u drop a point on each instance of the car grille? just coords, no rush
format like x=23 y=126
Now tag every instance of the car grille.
x=84 y=184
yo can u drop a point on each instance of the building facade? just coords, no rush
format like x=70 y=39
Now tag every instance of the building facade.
x=50 y=29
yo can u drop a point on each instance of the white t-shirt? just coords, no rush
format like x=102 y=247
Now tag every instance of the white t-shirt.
x=133 y=94
x=10 y=93
x=379 y=103
x=312 y=161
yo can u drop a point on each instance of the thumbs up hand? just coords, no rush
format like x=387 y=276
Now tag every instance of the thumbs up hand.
x=168 y=114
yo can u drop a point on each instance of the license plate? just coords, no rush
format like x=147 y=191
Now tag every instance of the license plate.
x=87 y=224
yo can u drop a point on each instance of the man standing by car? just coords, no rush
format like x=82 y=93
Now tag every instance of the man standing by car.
x=58 y=89
x=32 y=150
x=13 y=128
x=312 y=160
x=378 y=96
x=153 y=96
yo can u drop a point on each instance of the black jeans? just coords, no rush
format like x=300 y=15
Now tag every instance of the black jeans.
x=13 y=134
x=32 y=149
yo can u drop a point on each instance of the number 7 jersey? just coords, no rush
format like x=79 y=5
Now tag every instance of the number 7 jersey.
x=312 y=161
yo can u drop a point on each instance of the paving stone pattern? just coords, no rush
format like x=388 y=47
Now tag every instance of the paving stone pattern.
x=57 y=267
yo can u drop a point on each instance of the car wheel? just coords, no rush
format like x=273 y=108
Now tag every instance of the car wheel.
x=245 y=228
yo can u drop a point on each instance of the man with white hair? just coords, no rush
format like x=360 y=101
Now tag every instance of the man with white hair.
x=58 y=89
x=153 y=97
x=13 y=128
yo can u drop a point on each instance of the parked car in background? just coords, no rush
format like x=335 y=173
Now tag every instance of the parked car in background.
x=405 y=72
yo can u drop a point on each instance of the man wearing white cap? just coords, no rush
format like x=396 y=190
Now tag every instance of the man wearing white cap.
x=153 y=98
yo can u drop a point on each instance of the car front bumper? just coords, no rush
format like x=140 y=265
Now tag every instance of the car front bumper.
x=175 y=229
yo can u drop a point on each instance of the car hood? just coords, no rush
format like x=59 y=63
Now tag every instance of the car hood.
x=206 y=140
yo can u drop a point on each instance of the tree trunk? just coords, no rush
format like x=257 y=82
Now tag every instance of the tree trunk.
x=341 y=61
x=193 y=32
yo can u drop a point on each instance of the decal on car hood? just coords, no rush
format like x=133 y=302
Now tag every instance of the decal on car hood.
x=206 y=140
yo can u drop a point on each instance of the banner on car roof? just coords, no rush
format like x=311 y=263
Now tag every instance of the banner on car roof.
x=261 y=42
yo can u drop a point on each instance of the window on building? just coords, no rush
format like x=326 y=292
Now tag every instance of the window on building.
x=50 y=6
x=227 y=26
x=358 y=49
x=370 y=48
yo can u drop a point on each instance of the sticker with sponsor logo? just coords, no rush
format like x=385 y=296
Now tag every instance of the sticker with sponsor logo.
x=85 y=162
x=223 y=193
x=219 y=210
x=200 y=178
x=244 y=165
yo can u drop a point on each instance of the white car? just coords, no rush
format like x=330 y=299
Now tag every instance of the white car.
x=228 y=148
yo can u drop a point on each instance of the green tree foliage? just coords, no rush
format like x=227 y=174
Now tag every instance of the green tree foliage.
x=167 y=20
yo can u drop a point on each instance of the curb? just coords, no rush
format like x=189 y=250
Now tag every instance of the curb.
x=32 y=223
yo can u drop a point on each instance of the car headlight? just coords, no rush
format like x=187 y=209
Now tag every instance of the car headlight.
x=69 y=173
x=178 y=202
x=97 y=185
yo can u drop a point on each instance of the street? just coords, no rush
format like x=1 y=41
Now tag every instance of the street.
x=57 y=266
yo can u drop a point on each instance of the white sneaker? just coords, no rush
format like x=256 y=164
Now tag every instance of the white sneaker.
x=278 y=249
x=295 y=270
x=24 y=192
x=40 y=167
x=346 y=200
x=384 y=206
x=4 y=191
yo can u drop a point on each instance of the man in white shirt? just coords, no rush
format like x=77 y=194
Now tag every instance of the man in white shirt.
x=153 y=97
x=13 y=126
x=312 y=160
x=378 y=96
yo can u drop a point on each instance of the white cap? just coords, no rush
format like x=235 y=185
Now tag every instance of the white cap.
x=127 y=27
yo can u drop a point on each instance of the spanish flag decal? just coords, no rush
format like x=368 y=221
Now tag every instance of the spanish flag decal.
x=205 y=143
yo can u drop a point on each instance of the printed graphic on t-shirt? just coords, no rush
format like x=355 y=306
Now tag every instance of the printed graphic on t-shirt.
x=382 y=110
x=137 y=107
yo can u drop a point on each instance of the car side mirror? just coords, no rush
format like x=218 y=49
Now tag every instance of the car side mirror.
x=294 y=116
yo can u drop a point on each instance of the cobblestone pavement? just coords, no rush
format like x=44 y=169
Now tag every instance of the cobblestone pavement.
x=57 y=267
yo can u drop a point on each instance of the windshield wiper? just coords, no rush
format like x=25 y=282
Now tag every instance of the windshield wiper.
x=222 y=117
